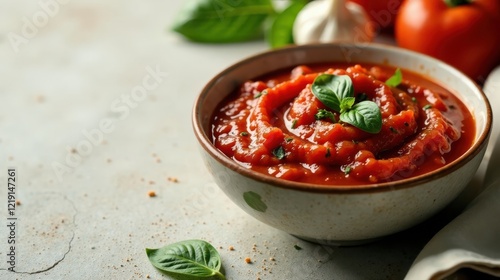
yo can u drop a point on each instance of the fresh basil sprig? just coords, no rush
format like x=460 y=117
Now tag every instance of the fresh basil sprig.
x=223 y=21
x=195 y=258
x=337 y=93
x=332 y=89
x=280 y=34
x=322 y=114
x=395 y=79
x=364 y=115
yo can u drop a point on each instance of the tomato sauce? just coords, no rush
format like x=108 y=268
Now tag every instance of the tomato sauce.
x=270 y=125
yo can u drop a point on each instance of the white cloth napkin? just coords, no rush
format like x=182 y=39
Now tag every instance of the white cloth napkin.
x=472 y=239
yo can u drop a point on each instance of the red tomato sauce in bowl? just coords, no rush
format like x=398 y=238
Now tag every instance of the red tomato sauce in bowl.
x=271 y=126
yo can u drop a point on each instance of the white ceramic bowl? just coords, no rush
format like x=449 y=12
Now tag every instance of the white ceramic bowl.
x=331 y=214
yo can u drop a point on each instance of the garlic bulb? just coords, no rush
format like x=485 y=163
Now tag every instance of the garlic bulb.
x=332 y=20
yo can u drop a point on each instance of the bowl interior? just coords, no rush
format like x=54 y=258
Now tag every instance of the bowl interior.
x=231 y=78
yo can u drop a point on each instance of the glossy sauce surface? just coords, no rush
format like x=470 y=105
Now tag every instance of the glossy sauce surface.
x=270 y=125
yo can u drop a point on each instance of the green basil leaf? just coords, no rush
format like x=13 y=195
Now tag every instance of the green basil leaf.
x=331 y=89
x=279 y=152
x=281 y=33
x=346 y=104
x=195 y=258
x=395 y=79
x=322 y=113
x=223 y=21
x=347 y=170
x=364 y=115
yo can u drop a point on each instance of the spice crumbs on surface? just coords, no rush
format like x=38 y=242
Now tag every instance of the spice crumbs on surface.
x=40 y=98
x=248 y=260
x=151 y=193
x=173 y=179
x=231 y=248
x=18 y=202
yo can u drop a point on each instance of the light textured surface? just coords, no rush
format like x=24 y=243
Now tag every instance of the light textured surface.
x=96 y=112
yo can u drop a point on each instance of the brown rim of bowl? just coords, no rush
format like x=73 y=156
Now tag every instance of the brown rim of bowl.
x=208 y=146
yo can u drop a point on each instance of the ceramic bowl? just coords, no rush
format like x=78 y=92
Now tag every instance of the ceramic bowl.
x=333 y=215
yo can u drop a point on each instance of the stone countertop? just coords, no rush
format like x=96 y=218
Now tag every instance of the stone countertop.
x=96 y=114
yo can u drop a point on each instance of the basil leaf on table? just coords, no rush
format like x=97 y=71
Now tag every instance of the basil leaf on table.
x=331 y=89
x=223 y=21
x=196 y=258
x=281 y=31
x=364 y=115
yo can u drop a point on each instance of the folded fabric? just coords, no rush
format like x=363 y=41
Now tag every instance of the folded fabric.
x=472 y=239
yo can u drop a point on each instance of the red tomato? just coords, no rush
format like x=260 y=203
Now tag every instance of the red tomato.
x=381 y=12
x=465 y=35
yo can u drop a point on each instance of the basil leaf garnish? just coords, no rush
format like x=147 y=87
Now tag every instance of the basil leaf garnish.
x=223 y=21
x=280 y=33
x=331 y=89
x=279 y=152
x=196 y=258
x=395 y=79
x=337 y=93
x=322 y=114
x=364 y=115
x=346 y=104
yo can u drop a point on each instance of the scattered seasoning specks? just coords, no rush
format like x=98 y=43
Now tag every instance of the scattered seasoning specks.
x=428 y=106
x=173 y=179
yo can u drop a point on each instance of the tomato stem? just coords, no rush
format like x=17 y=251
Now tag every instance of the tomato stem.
x=454 y=3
